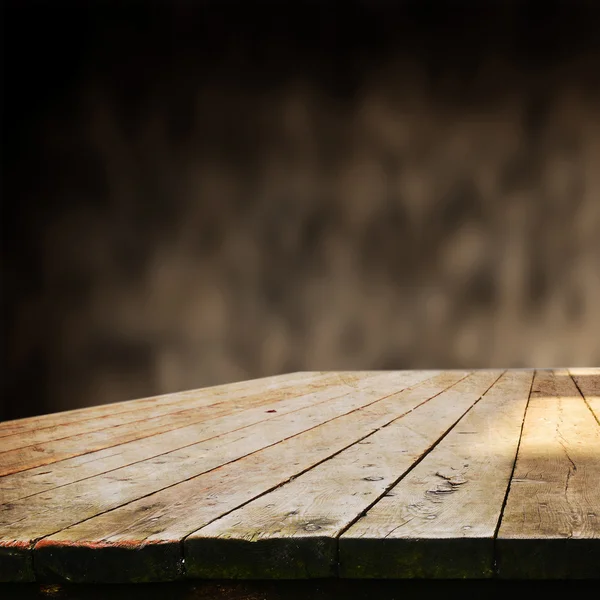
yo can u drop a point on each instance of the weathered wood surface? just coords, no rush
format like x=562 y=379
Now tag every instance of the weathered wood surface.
x=553 y=508
x=270 y=534
x=179 y=426
x=44 y=446
x=229 y=391
x=440 y=520
x=160 y=520
x=588 y=383
x=180 y=405
x=405 y=474
x=24 y=521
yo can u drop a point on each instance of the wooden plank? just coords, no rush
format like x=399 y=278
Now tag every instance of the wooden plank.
x=292 y=531
x=551 y=523
x=41 y=455
x=161 y=520
x=25 y=521
x=178 y=433
x=68 y=416
x=182 y=403
x=588 y=382
x=226 y=391
x=439 y=521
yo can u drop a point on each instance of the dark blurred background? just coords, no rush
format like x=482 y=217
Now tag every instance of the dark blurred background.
x=195 y=193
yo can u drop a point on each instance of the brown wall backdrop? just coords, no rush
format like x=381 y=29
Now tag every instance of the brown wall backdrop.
x=197 y=193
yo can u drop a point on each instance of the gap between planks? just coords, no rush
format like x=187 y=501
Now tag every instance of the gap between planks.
x=292 y=532
x=40 y=516
x=75 y=465
x=165 y=517
x=17 y=425
x=588 y=384
x=164 y=409
x=551 y=523
x=551 y=387
x=30 y=457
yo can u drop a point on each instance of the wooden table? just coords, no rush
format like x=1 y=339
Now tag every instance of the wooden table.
x=320 y=475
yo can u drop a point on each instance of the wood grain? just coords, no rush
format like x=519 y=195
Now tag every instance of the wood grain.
x=292 y=531
x=25 y=521
x=588 y=383
x=439 y=521
x=551 y=523
x=389 y=474
x=149 y=443
x=160 y=521
x=182 y=424
x=181 y=406
x=227 y=391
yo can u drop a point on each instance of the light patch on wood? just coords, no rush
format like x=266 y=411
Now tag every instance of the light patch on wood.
x=439 y=521
x=319 y=504
x=551 y=523
x=281 y=481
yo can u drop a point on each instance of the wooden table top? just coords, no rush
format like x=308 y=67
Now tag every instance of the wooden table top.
x=376 y=474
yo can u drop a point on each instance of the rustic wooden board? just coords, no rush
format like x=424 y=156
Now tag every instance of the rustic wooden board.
x=228 y=390
x=439 y=521
x=292 y=531
x=551 y=523
x=148 y=442
x=414 y=474
x=588 y=383
x=162 y=519
x=233 y=414
x=24 y=521
x=172 y=406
